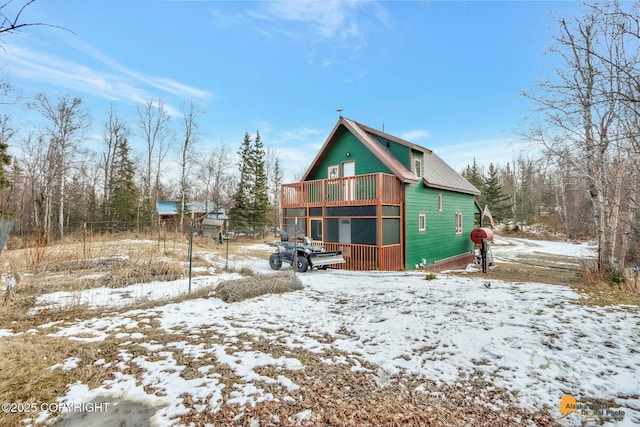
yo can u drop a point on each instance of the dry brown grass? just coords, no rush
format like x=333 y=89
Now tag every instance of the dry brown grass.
x=251 y=287
x=101 y=261
x=26 y=375
x=338 y=395
x=335 y=394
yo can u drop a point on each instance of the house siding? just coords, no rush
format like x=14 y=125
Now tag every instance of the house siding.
x=440 y=240
x=346 y=142
x=400 y=152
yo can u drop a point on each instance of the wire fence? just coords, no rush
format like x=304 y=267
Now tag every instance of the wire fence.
x=98 y=267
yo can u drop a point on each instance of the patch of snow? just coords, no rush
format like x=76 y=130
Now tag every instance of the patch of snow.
x=7 y=333
x=67 y=365
x=120 y=297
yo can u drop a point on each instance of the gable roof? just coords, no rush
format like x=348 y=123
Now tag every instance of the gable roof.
x=437 y=173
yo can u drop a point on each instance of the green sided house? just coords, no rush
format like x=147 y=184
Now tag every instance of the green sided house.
x=386 y=203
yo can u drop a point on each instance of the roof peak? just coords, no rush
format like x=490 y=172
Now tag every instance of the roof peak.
x=383 y=134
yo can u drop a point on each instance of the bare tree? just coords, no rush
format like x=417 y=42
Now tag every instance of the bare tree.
x=66 y=124
x=153 y=122
x=38 y=182
x=11 y=18
x=581 y=110
x=190 y=115
x=215 y=171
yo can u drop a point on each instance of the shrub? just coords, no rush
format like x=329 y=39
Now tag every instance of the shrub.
x=614 y=278
x=430 y=276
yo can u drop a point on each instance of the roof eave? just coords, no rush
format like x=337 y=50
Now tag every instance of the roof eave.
x=322 y=149
x=454 y=189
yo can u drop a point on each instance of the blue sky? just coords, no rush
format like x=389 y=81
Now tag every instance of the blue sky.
x=447 y=75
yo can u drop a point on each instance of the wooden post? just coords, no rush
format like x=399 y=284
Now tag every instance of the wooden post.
x=378 y=254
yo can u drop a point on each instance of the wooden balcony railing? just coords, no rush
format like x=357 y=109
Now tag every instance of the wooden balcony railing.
x=370 y=189
x=367 y=257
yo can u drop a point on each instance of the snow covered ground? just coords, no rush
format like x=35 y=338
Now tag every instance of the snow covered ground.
x=529 y=338
x=509 y=248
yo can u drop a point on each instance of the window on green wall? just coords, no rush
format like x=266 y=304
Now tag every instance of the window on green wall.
x=439 y=202
x=458 y=223
x=422 y=222
x=417 y=167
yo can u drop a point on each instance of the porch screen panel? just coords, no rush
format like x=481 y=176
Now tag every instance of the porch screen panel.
x=347 y=211
x=290 y=227
x=331 y=226
x=295 y=212
x=364 y=231
x=391 y=211
x=390 y=231
x=316 y=229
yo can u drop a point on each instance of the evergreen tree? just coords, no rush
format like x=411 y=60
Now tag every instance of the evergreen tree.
x=124 y=192
x=93 y=212
x=5 y=160
x=240 y=212
x=524 y=198
x=146 y=211
x=251 y=200
x=494 y=197
x=276 y=184
x=259 y=191
x=475 y=176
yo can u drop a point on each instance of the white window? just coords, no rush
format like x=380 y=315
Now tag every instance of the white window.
x=439 y=202
x=458 y=223
x=422 y=222
x=417 y=167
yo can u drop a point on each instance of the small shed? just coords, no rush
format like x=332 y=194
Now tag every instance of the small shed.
x=213 y=227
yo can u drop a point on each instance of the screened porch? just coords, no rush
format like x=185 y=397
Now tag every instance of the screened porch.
x=359 y=215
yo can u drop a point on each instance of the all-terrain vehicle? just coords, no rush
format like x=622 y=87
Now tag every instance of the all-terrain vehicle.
x=305 y=254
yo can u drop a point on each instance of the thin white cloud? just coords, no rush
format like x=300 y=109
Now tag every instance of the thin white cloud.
x=498 y=151
x=293 y=161
x=221 y=19
x=299 y=134
x=415 y=135
x=162 y=83
x=327 y=18
x=342 y=23
x=116 y=82
x=296 y=148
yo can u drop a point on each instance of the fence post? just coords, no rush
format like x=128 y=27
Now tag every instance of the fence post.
x=191 y=228
x=226 y=262
x=295 y=247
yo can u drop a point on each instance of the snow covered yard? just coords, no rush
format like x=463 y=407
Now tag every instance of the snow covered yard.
x=454 y=351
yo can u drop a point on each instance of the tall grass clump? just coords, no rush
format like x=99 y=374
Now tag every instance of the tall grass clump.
x=612 y=279
x=251 y=287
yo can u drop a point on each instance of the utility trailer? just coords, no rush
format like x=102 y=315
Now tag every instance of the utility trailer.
x=303 y=253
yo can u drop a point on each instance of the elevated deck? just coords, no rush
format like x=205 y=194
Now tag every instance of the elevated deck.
x=370 y=189
x=377 y=189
